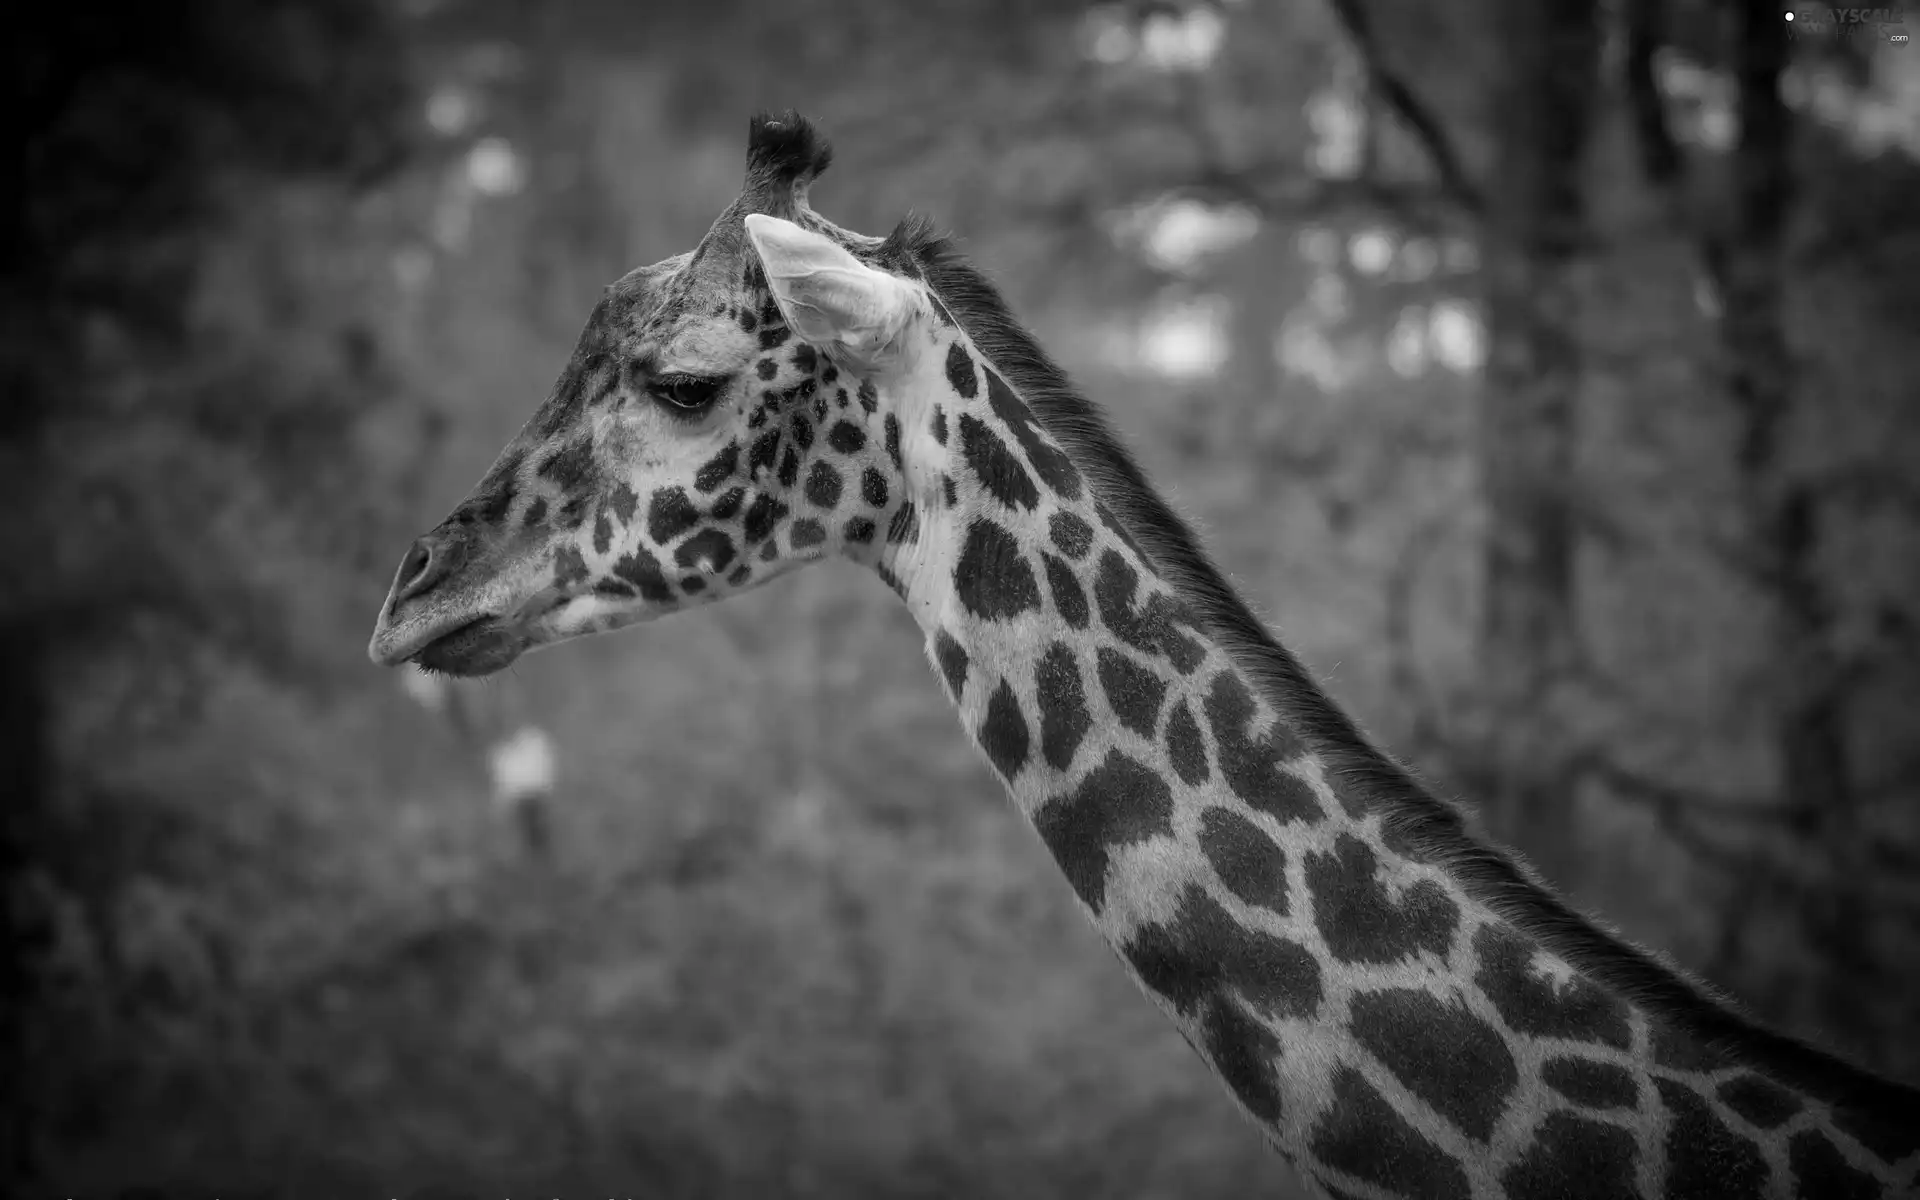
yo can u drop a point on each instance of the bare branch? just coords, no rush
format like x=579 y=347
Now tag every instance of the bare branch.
x=1277 y=193
x=1660 y=156
x=1676 y=811
x=1662 y=161
x=1284 y=190
x=1413 y=113
x=1594 y=764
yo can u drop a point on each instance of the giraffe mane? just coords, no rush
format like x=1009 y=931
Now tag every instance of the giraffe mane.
x=1433 y=828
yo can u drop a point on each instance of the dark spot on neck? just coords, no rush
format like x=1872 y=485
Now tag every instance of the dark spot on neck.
x=1242 y=1051
x=1704 y=1156
x=1591 y=1084
x=994 y=464
x=1003 y=733
x=960 y=373
x=1250 y=864
x=1887 y=1136
x=1149 y=627
x=1133 y=691
x=1068 y=600
x=1574 y=1010
x=1253 y=766
x=1050 y=462
x=1185 y=751
x=1766 y=1104
x=1361 y=922
x=1440 y=1052
x=1119 y=531
x=1064 y=719
x=1120 y=802
x=1361 y=1134
x=1573 y=1158
x=992 y=578
x=1823 y=1173
x=952 y=657
x=1072 y=536
x=1203 y=952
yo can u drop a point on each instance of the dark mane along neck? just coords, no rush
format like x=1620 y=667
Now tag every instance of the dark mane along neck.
x=1425 y=825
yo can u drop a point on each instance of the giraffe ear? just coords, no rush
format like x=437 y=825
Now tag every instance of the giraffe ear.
x=831 y=298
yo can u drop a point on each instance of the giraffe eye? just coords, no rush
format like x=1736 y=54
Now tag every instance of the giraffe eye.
x=688 y=393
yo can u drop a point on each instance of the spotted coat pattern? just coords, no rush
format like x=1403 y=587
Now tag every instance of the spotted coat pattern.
x=1389 y=1032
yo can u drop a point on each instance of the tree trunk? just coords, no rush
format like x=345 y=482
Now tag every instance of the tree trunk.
x=1809 y=694
x=1536 y=227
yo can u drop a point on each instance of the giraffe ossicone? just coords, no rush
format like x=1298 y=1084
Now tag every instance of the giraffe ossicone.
x=1397 y=1004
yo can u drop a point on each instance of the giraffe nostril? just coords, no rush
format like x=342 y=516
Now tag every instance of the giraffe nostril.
x=423 y=566
x=418 y=556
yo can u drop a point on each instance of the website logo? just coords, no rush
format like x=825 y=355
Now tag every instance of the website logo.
x=1808 y=22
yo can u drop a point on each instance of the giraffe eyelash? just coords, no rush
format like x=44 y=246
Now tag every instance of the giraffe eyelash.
x=686 y=396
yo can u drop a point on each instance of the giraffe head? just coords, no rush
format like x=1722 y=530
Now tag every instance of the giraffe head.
x=718 y=424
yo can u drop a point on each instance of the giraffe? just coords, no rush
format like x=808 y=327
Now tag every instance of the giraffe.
x=1400 y=1006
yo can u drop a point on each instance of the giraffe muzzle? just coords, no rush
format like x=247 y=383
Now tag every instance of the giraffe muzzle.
x=435 y=616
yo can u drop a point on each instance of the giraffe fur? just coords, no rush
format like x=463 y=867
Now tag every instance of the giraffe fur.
x=1398 y=1005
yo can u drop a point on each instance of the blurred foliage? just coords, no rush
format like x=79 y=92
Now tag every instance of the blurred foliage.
x=282 y=277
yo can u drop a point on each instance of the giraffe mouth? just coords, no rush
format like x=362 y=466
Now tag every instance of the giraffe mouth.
x=477 y=647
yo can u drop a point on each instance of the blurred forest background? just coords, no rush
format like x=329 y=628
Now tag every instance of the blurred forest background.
x=1544 y=372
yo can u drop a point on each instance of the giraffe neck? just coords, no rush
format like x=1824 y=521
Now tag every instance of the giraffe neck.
x=1381 y=1022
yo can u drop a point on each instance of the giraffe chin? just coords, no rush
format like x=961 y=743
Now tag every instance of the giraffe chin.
x=480 y=647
